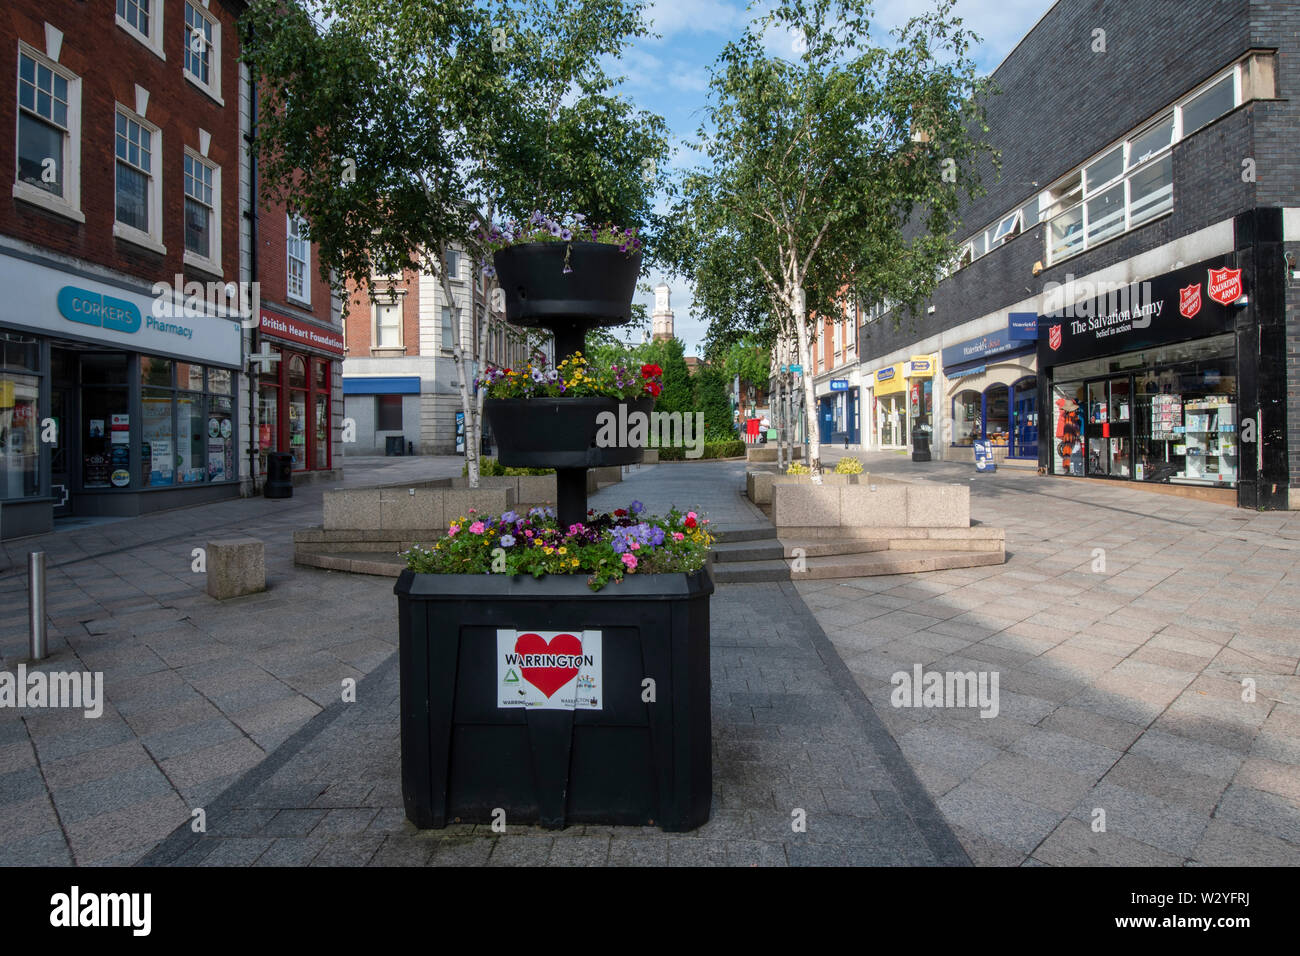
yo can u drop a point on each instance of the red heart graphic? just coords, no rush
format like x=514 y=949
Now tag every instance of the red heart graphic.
x=548 y=679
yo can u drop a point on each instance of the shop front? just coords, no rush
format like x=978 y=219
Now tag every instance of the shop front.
x=295 y=394
x=890 y=401
x=992 y=391
x=838 y=411
x=919 y=371
x=113 y=400
x=1143 y=384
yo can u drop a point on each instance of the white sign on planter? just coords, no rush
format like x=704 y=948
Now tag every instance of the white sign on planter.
x=549 y=670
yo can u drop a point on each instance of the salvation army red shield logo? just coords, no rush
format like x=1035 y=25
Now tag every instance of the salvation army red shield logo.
x=1054 y=337
x=1225 y=285
x=1189 y=301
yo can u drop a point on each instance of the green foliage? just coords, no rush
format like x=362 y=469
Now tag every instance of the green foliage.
x=848 y=466
x=722 y=449
x=814 y=178
x=491 y=468
x=751 y=361
x=392 y=125
x=713 y=398
x=678 y=393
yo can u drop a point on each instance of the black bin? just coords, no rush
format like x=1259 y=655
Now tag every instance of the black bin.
x=394 y=445
x=279 y=475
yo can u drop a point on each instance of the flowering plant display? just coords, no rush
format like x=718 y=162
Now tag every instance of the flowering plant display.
x=605 y=547
x=574 y=377
x=567 y=229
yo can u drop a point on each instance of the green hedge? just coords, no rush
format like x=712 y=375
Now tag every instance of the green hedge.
x=722 y=449
x=491 y=468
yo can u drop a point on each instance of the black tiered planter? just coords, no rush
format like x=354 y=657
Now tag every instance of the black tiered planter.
x=628 y=758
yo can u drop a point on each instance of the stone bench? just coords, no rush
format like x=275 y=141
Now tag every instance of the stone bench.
x=415 y=507
x=235 y=566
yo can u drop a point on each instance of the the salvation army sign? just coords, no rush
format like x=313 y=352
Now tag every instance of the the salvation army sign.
x=549 y=670
x=1090 y=321
x=1225 y=285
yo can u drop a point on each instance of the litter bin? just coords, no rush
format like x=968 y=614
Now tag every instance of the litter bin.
x=279 y=475
x=921 y=443
x=394 y=445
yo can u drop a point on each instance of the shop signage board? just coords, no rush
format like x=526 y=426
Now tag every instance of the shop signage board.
x=1191 y=303
x=548 y=670
x=920 y=367
x=285 y=328
x=839 y=385
x=984 y=456
x=1022 y=326
x=51 y=301
x=986 y=346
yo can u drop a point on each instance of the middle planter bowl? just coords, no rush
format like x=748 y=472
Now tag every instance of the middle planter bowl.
x=568 y=432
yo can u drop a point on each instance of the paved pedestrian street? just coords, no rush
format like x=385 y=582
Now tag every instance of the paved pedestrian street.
x=1119 y=696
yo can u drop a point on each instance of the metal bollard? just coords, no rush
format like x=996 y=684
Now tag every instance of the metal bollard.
x=36 y=604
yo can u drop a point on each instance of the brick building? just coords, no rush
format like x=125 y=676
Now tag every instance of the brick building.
x=131 y=260
x=1096 y=325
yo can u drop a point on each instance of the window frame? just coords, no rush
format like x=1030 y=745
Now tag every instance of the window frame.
x=69 y=204
x=393 y=300
x=154 y=38
x=295 y=224
x=151 y=239
x=213 y=87
x=212 y=262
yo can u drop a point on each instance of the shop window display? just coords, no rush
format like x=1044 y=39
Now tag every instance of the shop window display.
x=19 y=436
x=967 y=424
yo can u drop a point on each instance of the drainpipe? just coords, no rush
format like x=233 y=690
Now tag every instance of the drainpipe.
x=256 y=338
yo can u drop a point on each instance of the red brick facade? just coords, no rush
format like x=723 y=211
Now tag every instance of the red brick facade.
x=111 y=62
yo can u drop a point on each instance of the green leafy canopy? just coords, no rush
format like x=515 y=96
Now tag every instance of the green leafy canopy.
x=391 y=125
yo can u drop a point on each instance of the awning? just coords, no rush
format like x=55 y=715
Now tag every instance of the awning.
x=386 y=385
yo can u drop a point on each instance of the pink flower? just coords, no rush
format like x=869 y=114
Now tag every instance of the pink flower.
x=451 y=532
x=630 y=561
x=635 y=544
x=527 y=533
x=476 y=528
x=678 y=536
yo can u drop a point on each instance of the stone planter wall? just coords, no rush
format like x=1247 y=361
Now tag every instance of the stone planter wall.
x=898 y=504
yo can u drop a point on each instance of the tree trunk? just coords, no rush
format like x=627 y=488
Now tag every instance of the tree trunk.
x=809 y=399
x=470 y=408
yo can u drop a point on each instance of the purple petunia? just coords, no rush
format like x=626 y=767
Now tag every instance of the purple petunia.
x=507 y=540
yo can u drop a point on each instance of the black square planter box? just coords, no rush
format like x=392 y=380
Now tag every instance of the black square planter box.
x=630 y=762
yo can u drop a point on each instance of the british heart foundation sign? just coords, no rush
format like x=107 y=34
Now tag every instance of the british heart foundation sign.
x=1189 y=301
x=1225 y=285
x=549 y=670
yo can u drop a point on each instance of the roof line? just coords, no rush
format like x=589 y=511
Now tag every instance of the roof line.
x=1037 y=23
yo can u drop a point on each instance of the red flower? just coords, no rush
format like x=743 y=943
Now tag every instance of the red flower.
x=620 y=513
x=689 y=522
x=651 y=371
x=654 y=388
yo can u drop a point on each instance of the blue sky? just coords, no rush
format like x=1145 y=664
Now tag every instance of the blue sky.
x=669 y=74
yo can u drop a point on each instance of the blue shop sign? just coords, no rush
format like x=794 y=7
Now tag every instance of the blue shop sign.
x=885 y=374
x=1023 y=326
x=839 y=385
x=92 y=308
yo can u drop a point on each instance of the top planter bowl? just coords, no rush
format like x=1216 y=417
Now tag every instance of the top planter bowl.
x=539 y=291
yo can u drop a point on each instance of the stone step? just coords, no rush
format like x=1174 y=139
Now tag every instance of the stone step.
x=388 y=565
x=751 y=532
x=822 y=547
x=863 y=565
x=731 y=552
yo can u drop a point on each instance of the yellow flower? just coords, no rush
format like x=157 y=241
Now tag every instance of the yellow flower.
x=573 y=562
x=549 y=549
x=564 y=551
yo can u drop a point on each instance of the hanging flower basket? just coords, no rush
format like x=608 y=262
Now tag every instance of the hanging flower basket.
x=597 y=289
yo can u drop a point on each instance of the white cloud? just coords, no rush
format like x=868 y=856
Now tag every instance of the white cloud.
x=670 y=17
